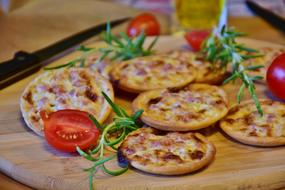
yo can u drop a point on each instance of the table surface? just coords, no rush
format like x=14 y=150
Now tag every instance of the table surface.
x=39 y=23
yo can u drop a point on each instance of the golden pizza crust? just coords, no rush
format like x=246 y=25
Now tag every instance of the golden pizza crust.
x=152 y=72
x=206 y=72
x=148 y=150
x=244 y=124
x=74 y=88
x=194 y=107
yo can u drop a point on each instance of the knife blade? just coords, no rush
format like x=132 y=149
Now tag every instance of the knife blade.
x=24 y=63
x=272 y=18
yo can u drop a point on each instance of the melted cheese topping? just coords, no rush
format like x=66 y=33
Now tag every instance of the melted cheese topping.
x=153 y=72
x=247 y=120
x=64 y=89
x=189 y=105
x=207 y=73
x=148 y=148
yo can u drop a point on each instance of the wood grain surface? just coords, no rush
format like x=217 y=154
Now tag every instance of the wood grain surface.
x=27 y=158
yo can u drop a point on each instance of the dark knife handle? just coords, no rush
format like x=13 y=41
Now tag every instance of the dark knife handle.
x=22 y=65
x=272 y=18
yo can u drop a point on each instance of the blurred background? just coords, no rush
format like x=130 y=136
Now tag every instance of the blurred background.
x=31 y=24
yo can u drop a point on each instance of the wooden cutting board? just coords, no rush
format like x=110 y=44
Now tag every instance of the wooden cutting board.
x=27 y=158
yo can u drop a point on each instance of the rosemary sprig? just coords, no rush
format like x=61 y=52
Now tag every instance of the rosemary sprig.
x=118 y=48
x=221 y=49
x=124 y=48
x=122 y=125
x=86 y=51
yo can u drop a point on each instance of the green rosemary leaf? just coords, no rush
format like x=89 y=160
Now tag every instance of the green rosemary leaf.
x=85 y=155
x=152 y=44
x=103 y=56
x=240 y=93
x=243 y=48
x=118 y=140
x=71 y=63
x=254 y=97
x=115 y=172
x=98 y=147
x=257 y=78
x=139 y=41
x=115 y=108
x=96 y=122
x=91 y=181
x=132 y=128
x=137 y=114
x=245 y=57
x=254 y=67
x=124 y=123
x=127 y=39
x=118 y=42
x=231 y=78
x=84 y=48
x=124 y=113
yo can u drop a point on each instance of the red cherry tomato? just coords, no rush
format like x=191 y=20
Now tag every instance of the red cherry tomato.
x=66 y=129
x=195 y=38
x=275 y=76
x=144 y=22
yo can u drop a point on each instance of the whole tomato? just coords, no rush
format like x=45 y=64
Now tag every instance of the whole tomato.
x=144 y=22
x=196 y=37
x=275 y=76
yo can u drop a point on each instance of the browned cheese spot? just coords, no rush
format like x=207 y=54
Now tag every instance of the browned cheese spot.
x=229 y=120
x=28 y=97
x=253 y=133
x=187 y=117
x=154 y=100
x=197 y=154
x=233 y=110
x=35 y=119
x=141 y=160
x=90 y=95
x=170 y=156
x=248 y=119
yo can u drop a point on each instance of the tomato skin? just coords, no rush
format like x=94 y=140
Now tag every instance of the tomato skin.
x=66 y=129
x=144 y=22
x=195 y=38
x=275 y=77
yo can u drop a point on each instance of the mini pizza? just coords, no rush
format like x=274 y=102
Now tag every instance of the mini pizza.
x=206 y=72
x=244 y=123
x=74 y=88
x=152 y=72
x=167 y=153
x=193 y=107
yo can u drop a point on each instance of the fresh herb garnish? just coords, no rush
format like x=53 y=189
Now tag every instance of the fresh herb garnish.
x=221 y=49
x=122 y=125
x=118 y=48
x=124 y=48
x=86 y=51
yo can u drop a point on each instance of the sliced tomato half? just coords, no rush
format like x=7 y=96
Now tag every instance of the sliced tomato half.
x=66 y=129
